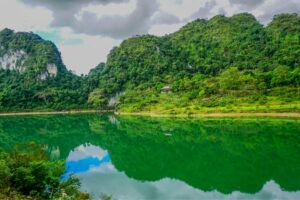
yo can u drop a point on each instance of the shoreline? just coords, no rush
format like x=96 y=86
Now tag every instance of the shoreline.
x=215 y=115
x=146 y=114
x=51 y=112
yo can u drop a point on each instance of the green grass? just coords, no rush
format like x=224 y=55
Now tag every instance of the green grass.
x=170 y=108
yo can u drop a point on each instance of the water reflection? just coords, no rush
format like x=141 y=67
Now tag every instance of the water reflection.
x=85 y=157
x=99 y=176
x=151 y=158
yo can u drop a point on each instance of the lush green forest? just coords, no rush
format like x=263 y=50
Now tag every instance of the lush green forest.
x=223 y=64
x=33 y=76
x=218 y=65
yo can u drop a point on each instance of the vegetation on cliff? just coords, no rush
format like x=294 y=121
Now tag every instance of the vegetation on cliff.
x=221 y=64
x=33 y=76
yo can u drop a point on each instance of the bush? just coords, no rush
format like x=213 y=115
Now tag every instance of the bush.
x=29 y=174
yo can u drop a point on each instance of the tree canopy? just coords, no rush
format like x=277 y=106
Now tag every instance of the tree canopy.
x=216 y=62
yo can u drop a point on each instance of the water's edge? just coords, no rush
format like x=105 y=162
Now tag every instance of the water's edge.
x=149 y=114
x=52 y=112
x=215 y=115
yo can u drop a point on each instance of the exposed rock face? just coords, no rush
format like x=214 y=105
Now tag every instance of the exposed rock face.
x=28 y=53
x=50 y=72
x=13 y=60
x=43 y=76
x=114 y=100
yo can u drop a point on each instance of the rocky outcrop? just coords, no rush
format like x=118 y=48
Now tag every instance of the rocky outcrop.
x=51 y=71
x=114 y=100
x=13 y=60
x=28 y=53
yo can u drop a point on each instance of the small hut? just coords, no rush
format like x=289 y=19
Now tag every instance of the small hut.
x=166 y=89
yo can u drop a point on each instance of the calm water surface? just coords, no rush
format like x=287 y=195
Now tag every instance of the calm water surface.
x=150 y=158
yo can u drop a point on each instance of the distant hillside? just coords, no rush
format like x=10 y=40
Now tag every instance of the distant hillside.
x=33 y=76
x=29 y=53
x=224 y=61
x=223 y=64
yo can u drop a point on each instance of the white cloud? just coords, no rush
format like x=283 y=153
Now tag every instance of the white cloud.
x=82 y=57
x=20 y=17
x=121 y=9
x=225 y=6
x=119 y=19
x=79 y=57
x=85 y=151
x=163 y=29
x=181 y=8
x=269 y=8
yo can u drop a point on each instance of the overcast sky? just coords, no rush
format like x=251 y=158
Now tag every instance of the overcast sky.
x=86 y=30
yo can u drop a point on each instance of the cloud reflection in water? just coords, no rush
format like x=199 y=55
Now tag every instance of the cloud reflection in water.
x=99 y=176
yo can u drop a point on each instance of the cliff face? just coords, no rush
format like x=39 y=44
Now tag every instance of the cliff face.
x=29 y=53
x=13 y=60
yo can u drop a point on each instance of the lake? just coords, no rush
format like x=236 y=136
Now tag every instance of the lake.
x=132 y=158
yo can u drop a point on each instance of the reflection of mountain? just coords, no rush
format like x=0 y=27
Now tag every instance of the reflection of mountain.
x=60 y=133
x=99 y=176
x=121 y=187
x=225 y=155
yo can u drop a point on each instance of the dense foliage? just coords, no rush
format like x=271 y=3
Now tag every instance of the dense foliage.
x=28 y=85
x=27 y=173
x=207 y=63
x=224 y=64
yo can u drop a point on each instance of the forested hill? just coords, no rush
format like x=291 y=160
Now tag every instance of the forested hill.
x=220 y=64
x=29 y=53
x=207 y=63
x=33 y=76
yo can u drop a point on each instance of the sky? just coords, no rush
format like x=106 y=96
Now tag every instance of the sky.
x=86 y=30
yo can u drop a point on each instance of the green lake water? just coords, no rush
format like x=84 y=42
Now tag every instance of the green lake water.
x=167 y=158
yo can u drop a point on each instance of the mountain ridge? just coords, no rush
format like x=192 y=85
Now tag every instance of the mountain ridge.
x=34 y=77
x=223 y=62
x=26 y=51
x=198 y=60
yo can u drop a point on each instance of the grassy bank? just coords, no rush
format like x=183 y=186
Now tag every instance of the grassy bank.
x=272 y=109
x=169 y=110
x=215 y=115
